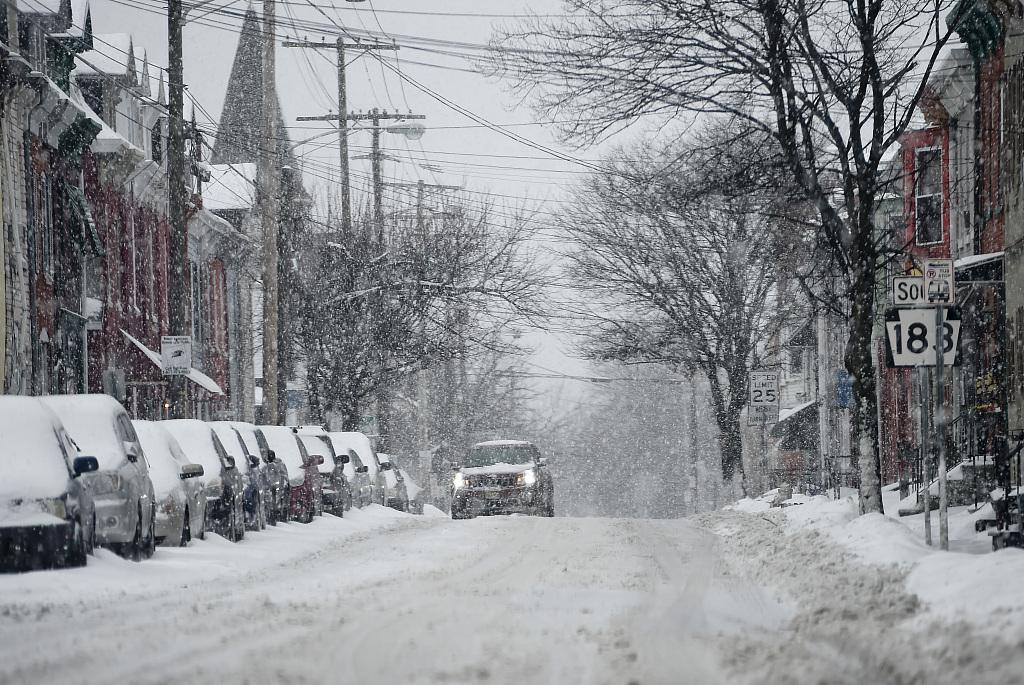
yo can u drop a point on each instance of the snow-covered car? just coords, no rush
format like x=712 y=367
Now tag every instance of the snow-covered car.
x=121 y=488
x=47 y=517
x=304 y=485
x=222 y=483
x=367 y=457
x=502 y=477
x=180 y=503
x=334 y=486
x=255 y=493
x=360 y=491
x=319 y=453
x=394 y=483
x=274 y=471
x=413 y=491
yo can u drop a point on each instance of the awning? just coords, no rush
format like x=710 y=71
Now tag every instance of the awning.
x=976 y=260
x=194 y=375
x=83 y=215
x=791 y=414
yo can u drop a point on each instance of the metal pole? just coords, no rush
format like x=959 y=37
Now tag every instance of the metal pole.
x=346 y=199
x=178 y=286
x=940 y=429
x=925 y=471
x=378 y=181
x=268 y=194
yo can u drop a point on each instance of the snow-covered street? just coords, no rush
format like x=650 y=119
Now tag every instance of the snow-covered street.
x=386 y=597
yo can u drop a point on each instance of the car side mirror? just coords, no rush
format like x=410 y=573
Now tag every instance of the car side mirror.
x=191 y=471
x=344 y=459
x=271 y=456
x=254 y=462
x=362 y=469
x=386 y=466
x=131 y=450
x=319 y=460
x=230 y=461
x=85 y=465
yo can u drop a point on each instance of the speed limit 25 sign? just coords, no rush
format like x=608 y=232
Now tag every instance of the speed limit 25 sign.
x=910 y=337
x=764 y=398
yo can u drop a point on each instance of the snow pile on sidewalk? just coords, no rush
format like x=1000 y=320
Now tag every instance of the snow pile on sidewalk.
x=873 y=605
x=110 y=577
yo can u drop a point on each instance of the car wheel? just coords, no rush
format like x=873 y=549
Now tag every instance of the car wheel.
x=149 y=546
x=186 y=530
x=77 y=549
x=135 y=546
x=92 y=537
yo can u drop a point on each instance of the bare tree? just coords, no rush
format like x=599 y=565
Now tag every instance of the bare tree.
x=375 y=313
x=684 y=258
x=834 y=83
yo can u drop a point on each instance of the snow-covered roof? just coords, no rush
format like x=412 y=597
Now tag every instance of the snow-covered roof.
x=38 y=6
x=111 y=59
x=790 y=412
x=32 y=464
x=231 y=186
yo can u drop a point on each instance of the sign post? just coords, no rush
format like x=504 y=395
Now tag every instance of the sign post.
x=940 y=289
x=763 y=407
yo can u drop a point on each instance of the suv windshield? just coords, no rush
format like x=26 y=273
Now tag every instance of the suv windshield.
x=487 y=455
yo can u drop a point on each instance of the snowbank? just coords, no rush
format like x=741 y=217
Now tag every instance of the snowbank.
x=983 y=589
x=110 y=576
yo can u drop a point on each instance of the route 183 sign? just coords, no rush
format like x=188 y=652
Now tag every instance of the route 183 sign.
x=910 y=337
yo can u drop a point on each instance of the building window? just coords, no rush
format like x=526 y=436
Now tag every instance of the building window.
x=928 y=196
x=157 y=142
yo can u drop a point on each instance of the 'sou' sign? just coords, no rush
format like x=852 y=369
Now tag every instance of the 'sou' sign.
x=763 y=407
x=910 y=337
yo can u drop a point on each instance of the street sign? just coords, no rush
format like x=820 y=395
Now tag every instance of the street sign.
x=176 y=354
x=910 y=337
x=939 y=283
x=764 y=398
x=908 y=291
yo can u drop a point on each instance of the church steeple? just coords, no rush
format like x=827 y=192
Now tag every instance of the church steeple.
x=240 y=130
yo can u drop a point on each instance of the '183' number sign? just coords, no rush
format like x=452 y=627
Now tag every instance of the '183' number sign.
x=911 y=337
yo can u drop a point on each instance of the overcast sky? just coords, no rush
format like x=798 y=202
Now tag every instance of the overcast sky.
x=456 y=149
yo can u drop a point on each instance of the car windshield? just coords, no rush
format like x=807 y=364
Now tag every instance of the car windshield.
x=503 y=453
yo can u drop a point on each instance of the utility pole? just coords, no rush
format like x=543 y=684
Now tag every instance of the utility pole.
x=374 y=116
x=422 y=378
x=268 y=186
x=340 y=46
x=177 y=201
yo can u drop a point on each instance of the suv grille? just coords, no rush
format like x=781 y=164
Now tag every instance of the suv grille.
x=493 y=480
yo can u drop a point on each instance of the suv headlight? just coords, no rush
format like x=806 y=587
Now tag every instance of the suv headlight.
x=214 y=489
x=458 y=481
x=528 y=477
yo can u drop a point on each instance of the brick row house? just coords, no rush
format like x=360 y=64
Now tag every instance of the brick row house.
x=963 y=198
x=84 y=204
